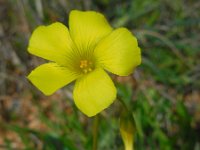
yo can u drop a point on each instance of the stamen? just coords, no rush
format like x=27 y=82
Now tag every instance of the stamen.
x=86 y=66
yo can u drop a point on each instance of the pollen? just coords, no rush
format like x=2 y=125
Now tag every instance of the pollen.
x=86 y=66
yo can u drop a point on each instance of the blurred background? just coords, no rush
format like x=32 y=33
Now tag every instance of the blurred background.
x=163 y=93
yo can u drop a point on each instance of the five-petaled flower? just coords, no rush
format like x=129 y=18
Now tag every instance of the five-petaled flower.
x=83 y=53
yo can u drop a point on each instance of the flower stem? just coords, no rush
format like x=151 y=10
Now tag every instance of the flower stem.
x=124 y=105
x=95 y=132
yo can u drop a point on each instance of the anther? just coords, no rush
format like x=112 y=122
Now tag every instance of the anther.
x=85 y=66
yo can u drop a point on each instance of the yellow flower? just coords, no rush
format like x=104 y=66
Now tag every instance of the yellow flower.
x=83 y=53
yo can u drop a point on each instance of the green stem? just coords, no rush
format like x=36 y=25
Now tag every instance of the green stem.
x=124 y=105
x=95 y=132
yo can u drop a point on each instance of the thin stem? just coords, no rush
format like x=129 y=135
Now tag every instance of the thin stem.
x=124 y=104
x=95 y=132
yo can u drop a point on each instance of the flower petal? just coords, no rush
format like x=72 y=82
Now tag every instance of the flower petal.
x=50 y=77
x=87 y=28
x=51 y=42
x=118 y=52
x=94 y=92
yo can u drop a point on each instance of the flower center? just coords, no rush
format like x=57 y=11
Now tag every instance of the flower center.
x=86 y=66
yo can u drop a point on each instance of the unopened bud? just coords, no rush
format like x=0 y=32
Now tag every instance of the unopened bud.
x=127 y=130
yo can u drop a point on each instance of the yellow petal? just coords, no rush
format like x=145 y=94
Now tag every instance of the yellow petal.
x=87 y=28
x=50 y=77
x=94 y=92
x=118 y=52
x=51 y=42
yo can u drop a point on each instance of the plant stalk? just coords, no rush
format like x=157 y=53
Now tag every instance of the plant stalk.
x=95 y=132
